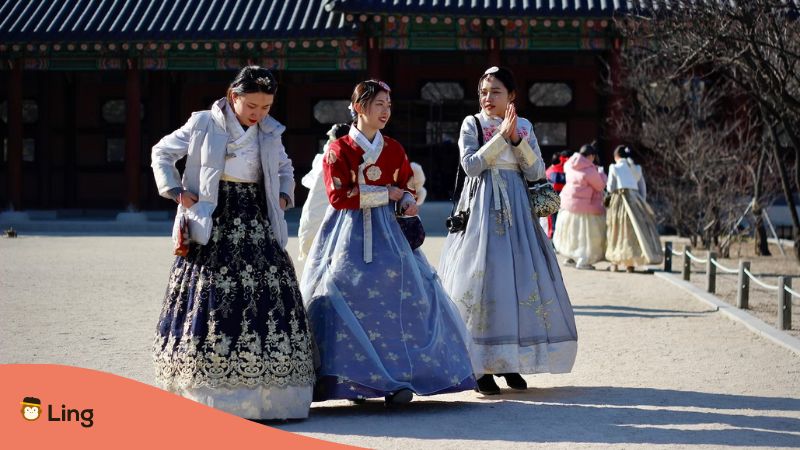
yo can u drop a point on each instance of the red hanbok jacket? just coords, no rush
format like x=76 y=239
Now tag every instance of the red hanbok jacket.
x=340 y=170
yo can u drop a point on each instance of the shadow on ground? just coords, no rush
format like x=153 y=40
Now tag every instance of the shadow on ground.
x=606 y=415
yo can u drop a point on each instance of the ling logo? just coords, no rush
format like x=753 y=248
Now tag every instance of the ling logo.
x=31 y=408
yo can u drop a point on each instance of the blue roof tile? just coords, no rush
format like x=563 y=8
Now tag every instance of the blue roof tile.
x=56 y=20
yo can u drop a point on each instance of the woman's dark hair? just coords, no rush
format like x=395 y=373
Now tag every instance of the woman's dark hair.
x=338 y=130
x=252 y=79
x=622 y=151
x=365 y=92
x=588 y=149
x=555 y=159
x=502 y=74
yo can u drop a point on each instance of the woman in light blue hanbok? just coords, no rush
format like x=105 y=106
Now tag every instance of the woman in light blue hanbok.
x=501 y=270
x=383 y=324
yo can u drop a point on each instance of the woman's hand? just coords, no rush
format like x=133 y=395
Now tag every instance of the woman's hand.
x=187 y=199
x=410 y=209
x=283 y=203
x=395 y=193
x=509 y=126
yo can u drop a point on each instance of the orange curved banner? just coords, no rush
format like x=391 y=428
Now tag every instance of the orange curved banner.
x=53 y=406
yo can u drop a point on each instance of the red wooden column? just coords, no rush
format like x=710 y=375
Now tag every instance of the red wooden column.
x=494 y=52
x=373 y=58
x=615 y=101
x=15 y=136
x=133 y=135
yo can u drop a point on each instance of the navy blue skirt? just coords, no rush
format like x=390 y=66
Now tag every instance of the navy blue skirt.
x=233 y=315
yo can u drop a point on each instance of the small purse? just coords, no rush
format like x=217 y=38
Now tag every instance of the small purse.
x=411 y=226
x=544 y=199
x=412 y=229
x=183 y=237
x=182 y=244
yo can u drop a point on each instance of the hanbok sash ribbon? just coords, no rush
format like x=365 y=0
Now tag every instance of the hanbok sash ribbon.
x=372 y=151
x=500 y=189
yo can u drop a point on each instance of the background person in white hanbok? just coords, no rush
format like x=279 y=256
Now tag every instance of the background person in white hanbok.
x=632 y=235
x=581 y=231
x=501 y=270
x=317 y=201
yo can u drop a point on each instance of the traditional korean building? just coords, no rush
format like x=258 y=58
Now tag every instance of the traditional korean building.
x=88 y=86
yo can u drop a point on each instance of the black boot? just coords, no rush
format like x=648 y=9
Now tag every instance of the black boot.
x=399 y=397
x=514 y=381
x=487 y=386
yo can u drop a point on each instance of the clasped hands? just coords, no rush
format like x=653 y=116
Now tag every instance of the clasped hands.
x=508 y=128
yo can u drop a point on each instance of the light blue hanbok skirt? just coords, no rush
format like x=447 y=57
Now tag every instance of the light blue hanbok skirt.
x=503 y=275
x=380 y=326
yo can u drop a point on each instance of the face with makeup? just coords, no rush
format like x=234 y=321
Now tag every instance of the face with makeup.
x=494 y=96
x=252 y=108
x=376 y=113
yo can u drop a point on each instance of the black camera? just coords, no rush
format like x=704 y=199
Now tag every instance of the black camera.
x=457 y=222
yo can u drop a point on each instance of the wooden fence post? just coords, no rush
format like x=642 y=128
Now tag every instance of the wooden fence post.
x=743 y=293
x=668 y=256
x=711 y=273
x=784 y=304
x=687 y=263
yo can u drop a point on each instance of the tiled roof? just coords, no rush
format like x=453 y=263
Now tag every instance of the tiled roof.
x=508 y=8
x=495 y=8
x=56 y=20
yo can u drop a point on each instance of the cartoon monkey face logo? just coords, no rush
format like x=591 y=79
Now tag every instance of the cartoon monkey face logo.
x=31 y=408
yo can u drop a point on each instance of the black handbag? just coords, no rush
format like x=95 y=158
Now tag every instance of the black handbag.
x=457 y=221
x=413 y=230
x=411 y=226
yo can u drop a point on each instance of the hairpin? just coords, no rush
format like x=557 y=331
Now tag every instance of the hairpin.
x=264 y=81
x=492 y=69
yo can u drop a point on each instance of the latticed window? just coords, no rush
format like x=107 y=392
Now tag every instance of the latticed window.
x=436 y=91
x=332 y=111
x=550 y=94
x=551 y=133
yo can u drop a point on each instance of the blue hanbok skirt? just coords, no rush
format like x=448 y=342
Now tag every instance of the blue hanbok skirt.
x=503 y=275
x=384 y=325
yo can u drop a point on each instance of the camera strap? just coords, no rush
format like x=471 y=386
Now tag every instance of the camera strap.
x=459 y=168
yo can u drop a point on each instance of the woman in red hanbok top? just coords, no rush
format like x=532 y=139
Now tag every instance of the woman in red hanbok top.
x=383 y=325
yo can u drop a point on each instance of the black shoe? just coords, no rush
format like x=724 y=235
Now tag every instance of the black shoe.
x=487 y=386
x=399 y=397
x=514 y=381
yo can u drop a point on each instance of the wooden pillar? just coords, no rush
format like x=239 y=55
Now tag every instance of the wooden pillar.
x=494 y=52
x=614 y=111
x=15 y=136
x=373 y=58
x=133 y=135
x=71 y=179
x=48 y=84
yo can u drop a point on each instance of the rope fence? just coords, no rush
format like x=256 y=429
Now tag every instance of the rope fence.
x=783 y=289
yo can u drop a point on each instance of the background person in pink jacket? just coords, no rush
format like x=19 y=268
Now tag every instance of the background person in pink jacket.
x=581 y=231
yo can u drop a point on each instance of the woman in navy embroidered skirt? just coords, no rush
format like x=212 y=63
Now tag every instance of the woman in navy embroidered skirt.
x=233 y=332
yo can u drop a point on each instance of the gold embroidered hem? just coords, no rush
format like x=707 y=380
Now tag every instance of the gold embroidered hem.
x=280 y=361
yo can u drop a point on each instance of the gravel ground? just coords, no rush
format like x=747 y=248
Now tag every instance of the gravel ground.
x=655 y=367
